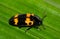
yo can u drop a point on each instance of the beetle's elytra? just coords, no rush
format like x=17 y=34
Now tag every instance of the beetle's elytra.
x=26 y=20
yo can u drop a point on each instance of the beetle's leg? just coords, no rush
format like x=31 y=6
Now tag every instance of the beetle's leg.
x=28 y=29
x=37 y=27
x=19 y=27
x=43 y=26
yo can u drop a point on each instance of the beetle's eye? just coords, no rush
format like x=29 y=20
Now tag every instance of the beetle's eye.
x=39 y=22
x=10 y=20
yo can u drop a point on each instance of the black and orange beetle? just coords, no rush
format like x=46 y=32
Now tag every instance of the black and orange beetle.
x=26 y=20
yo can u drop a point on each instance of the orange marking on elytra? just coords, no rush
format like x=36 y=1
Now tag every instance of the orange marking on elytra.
x=16 y=19
x=28 y=21
x=28 y=15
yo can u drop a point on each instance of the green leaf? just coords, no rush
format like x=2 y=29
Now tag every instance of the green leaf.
x=9 y=8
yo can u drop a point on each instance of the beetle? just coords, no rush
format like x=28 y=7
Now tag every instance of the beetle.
x=26 y=20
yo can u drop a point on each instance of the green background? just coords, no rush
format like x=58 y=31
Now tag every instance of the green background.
x=8 y=8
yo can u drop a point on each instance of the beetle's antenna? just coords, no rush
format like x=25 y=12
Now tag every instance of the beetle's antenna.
x=43 y=18
x=44 y=15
